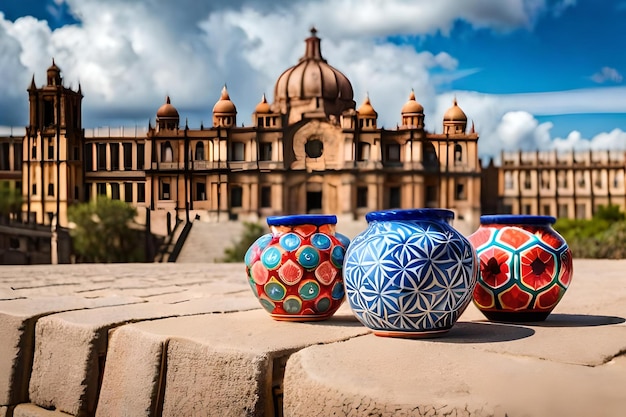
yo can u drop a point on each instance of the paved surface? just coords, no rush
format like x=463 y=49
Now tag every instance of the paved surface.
x=190 y=339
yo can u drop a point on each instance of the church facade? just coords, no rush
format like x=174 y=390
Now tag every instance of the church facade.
x=311 y=150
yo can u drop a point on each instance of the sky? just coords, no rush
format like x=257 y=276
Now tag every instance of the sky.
x=529 y=74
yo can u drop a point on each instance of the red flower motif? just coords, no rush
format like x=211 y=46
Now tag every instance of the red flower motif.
x=537 y=267
x=494 y=267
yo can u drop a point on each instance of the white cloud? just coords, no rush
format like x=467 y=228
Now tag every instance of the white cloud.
x=129 y=55
x=607 y=74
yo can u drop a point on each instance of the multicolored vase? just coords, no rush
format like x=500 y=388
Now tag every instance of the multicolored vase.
x=525 y=267
x=295 y=271
x=410 y=273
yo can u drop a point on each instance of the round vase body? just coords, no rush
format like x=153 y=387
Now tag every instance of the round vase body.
x=295 y=271
x=410 y=273
x=525 y=267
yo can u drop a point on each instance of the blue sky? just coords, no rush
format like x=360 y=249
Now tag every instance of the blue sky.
x=531 y=74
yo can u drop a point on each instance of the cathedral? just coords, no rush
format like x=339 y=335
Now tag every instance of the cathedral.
x=310 y=150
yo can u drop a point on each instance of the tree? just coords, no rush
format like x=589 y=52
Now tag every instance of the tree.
x=10 y=200
x=251 y=232
x=102 y=231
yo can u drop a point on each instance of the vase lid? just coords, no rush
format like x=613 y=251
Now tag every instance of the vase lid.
x=296 y=219
x=410 y=214
x=516 y=219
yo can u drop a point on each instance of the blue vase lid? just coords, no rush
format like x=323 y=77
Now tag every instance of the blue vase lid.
x=296 y=219
x=528 y=219
x=410 y=214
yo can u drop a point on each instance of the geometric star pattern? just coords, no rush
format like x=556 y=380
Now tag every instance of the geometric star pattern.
x=409 y=275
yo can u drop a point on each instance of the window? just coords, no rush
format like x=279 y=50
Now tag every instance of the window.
x=237 y=150
x=102 y=156
x=88 y=192
x=581 y=210
x=361 y=197
x=165 y=189
x=115 y=191
x=115 y=157
x=141 y=192
x=562 y=179
x=4 y=157
x=563 y=211
x=51 y=189
x=200 y=191
x=76 y=155
x=17 y=157
x=88 y=157
x=393 y=152
x=128 y=192
x=50 y=148
x=545 y=180
x=266 y=196
x=314 y=148
x=128 y=156
x=394 y=197
x=458 y=154
x=141 y=151
x=508 y=180
x=598 y=176
x=618 y=178
x=48 y=113
x=526 y=209
x=459 y=190
x=33 y=151
x=101 y=188
x=259 y=121
x=363 y=153
x=265 y=151
x=581 y=178
x=34 y=189
x=199 y=151
x=167 y=155
x=546 y=209
x=76 y=193
x=527 y=181
x=236 y=194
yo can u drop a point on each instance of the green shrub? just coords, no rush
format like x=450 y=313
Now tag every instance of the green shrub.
x=603 y=236
x=251 y=232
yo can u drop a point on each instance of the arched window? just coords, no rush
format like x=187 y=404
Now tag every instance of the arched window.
x=167 y=155
x=458 y=153
x=199 y=151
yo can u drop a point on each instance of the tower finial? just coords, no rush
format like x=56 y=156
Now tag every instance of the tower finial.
x=313 y=31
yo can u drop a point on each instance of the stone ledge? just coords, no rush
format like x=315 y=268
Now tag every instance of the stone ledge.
x=197 y=362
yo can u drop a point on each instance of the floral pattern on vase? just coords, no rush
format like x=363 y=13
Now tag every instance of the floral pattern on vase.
x=525 y=267
x=295 y=271
x=410 y=273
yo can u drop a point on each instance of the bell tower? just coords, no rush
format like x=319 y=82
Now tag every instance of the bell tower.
x=52 y=172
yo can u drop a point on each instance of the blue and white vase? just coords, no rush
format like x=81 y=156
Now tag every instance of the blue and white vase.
x=410 y=273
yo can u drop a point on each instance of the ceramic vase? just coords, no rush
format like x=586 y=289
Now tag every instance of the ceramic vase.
x=525 y=267
x=410 y=273
x=295 y=271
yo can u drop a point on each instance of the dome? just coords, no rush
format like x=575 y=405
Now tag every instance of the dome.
x=412 y=106
x=54 y=75
x=167 y=110
x=312 y=77
x=224 y=105
x=263 y=107
x=454 y=114
x=366 y=108
x=53 y=68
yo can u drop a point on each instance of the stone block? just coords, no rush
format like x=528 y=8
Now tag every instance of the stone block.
x=17 y=327
x=228 y=362
x=31 y=410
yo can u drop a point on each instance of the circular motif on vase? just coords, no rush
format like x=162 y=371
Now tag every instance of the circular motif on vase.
x=337 y=255
x=292 y=305
x=290 y=241
x=320 y=241
x=323 y=304
x=309 y=290
x=271 y=257
x=308 y=257
x=338 y=291
x=275 y=290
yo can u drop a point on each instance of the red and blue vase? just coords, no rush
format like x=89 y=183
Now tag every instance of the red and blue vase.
x=296 y=270
x=525 y=267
